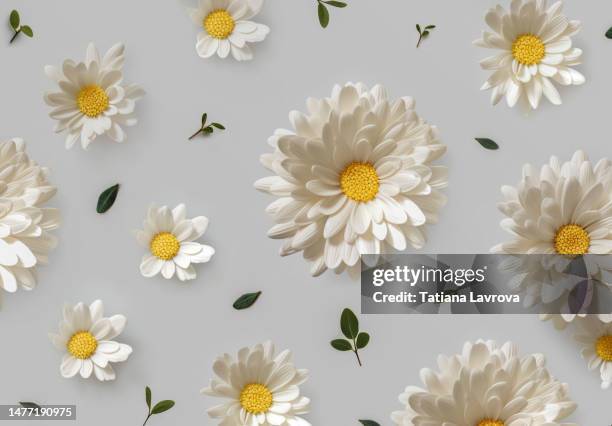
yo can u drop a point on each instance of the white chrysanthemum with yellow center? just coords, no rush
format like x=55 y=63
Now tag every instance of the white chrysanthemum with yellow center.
x=227 y=27
x=92 y=100
x=536 y=51
x=356 y=176
x=595 y=336
x=170 y=238
x=87 y=338
x=487 y=385
x=25 y=224
x=262 y=389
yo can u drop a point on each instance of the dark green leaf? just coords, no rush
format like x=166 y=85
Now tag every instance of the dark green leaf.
x=341 y=345
x=246 y=300
x=349 y=324
x=107 y=199
x=218 y=126
x=14 y=20
x=323 y=15
x=362 y=340
x=487 y=143
x=30 y=405
x=418 y=27
x=208 y=130
x=148 y=397
x=162 y=406
x=609 y=33
x=430 y=27
x=425 y=33
x=204 y=117
x=335 y=3
x=27 y=31
x=369 y=423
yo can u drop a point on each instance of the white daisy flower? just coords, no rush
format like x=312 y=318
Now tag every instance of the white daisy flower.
x=536 y=50
x=563 y=210
x=486 y=385
x=262 y=388
x=86 y=336
x=354 y=177
x=170 y=238
x=92 y=100
x=227 y=27
x=595 y=335
x=25 y=225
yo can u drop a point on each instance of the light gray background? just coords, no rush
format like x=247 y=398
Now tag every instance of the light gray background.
x=176 y=329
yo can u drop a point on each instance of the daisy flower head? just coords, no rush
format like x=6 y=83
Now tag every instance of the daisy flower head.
x=25 y=224
x=227 y=27
x=262 y=388
x=595 y=336
x=535 y=52
x=87 y=337
x=486 y=385
x=171 y=238
x=355 y=176
x=92 y=99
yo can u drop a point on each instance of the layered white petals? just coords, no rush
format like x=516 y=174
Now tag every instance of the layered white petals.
x=314 y=214
x=592 y=330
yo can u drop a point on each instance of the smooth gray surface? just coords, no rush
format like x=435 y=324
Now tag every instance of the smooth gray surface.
x=176 y=329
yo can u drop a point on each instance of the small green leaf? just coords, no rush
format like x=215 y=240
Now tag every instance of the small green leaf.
x=362 y=340
x=425 y=33
x=14 y=20
x=335 y=3
x=107 y=199
x=30 y=405
x=148 y=397
x=430 y=27
x=323 y=15
x=27 y=30
x=162 y=406
x=246 y=300
x=369 y=423
x=349 y=324
x=204 y=117
x=218 y=126
x=487 y=143
x=609 y=33
x=418 y=28
x=208 y=130
x=341 y=345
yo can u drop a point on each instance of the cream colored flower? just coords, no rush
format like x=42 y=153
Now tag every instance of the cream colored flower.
x=355 y=176
x=595 y=336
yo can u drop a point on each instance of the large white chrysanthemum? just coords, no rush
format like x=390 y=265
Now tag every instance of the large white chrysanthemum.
x=354 y=177
x=536 y=50
x=25 y=225
x=227 y=27
x=171 y=238
x=563 y=210
x=486 y=385
x=595 y=336
x=262 y=388
x=92 y=100
x=86 y=336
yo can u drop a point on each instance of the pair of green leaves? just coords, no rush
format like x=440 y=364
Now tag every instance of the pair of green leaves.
x=423 y=33
x=15 y=22
x=246 y=300
x=355 y=340
x=324 y=12
x=107 y=199
x=158 y=408
x=487 y=143
x=207 y=129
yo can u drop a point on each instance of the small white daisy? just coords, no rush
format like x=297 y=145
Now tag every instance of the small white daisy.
x=595 y=335
x=170 y=238
x=536 y=50
x=87 y=337
x=262 y=388
x=227 y=27
x=92 y=101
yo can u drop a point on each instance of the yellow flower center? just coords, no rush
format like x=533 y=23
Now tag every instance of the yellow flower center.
x=603 y=346
x=490 y=422
x=572 y=240
x=219 y=24
x=359 y=182
x=256 y=398
x=92 y=100
x=82 y=345
x=165 y=246
x=528 y=49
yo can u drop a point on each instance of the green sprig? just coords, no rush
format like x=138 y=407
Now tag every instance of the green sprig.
x=207 y=129
x=355 y=340
x=158 y=408
x=15 y=22
x=423 y=33
x=324 y=12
